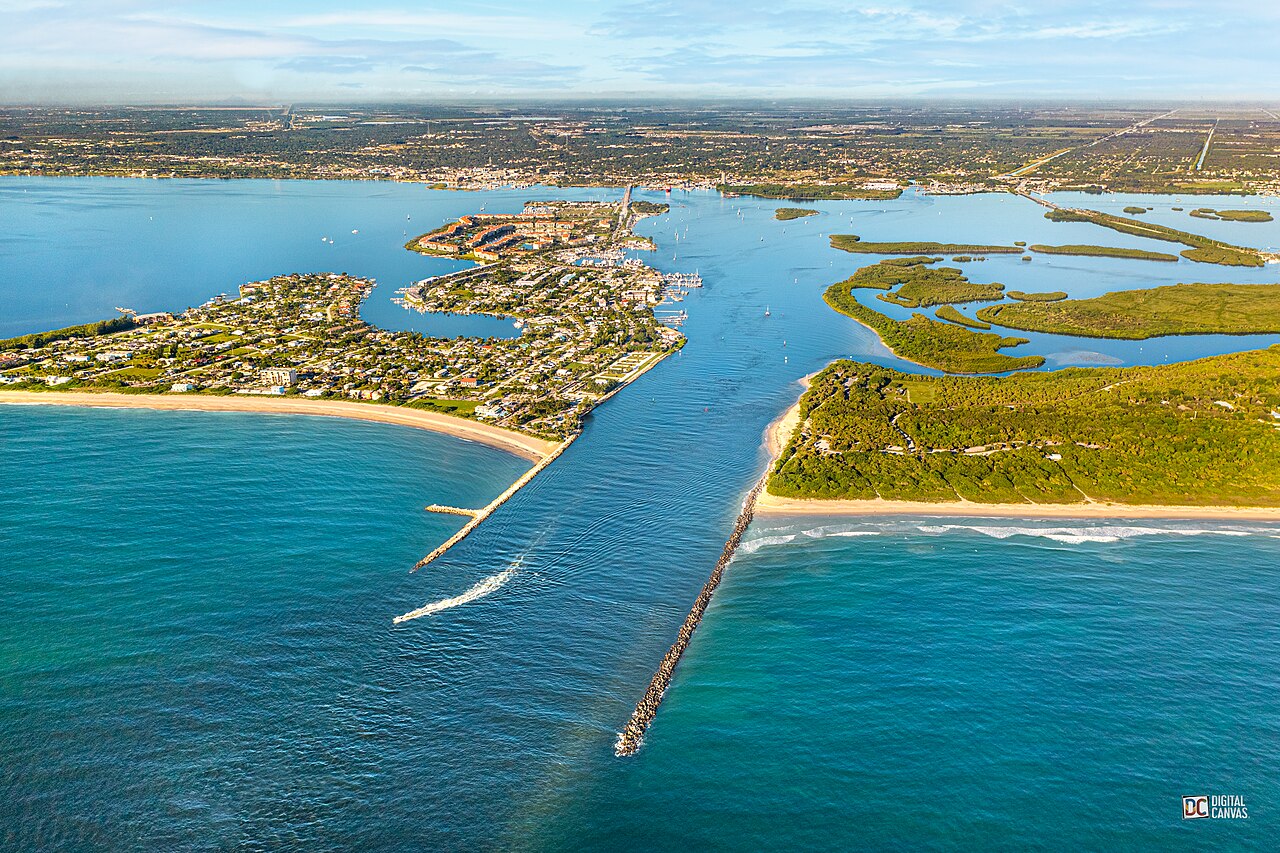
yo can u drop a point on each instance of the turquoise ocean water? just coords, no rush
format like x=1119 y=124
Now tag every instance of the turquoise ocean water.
x=196 y=648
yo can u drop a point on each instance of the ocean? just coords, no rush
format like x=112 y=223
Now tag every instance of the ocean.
x=196 y=647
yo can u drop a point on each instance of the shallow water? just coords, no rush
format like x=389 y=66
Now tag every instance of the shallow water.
x=197 y=643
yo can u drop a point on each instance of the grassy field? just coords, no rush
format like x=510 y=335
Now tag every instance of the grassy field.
x=931 y=343
x=1202 y=249
x=1103 y=252
x=853 y=243
x=1180 y=309
x=786 y=213
x=1200 y=433
x=464 y=408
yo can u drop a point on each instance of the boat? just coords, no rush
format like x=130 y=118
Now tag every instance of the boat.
x=766 y=310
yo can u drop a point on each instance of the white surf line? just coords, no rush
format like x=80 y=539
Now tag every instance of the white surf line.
x=489 y=585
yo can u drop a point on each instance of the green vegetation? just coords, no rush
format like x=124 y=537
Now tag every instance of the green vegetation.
x=931 y=343
x=1200 y=433
x=462 y=408
x=134 y=374
x=910 y=262
x=1202 y=249
x=853 y=243
x=810 y=192
x=649 y=208
x=1232 y=215
x=1134 y=211
x=1047 y=296
x=86 y=330
x=785 y=213
x=923 y=286
x=1181 y=309
x=952 y=314
x=1103 y=252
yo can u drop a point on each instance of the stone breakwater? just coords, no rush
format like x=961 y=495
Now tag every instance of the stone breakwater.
x=479 y=515
x=632 y=736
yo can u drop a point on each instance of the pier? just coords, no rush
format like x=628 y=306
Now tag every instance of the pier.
x=632 y=735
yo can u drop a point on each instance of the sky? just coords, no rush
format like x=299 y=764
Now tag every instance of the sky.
x=282 y=51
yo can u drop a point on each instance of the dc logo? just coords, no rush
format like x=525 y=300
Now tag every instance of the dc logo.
x=1194 y=807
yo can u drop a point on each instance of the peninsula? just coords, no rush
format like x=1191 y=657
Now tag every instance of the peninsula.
x=586 y=319
x=296 y=344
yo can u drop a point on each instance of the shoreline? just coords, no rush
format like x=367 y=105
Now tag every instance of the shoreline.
x=525 y=446
x=772 y=505
x=779 y=432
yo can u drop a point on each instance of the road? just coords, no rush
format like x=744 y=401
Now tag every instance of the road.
x=1204 y=152
x=1038 y=163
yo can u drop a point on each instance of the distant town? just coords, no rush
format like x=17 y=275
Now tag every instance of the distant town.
x=798 y=150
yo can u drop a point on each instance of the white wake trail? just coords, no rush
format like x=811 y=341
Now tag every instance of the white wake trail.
x=489 y=585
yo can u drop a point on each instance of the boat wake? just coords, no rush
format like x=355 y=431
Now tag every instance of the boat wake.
x=489 y=585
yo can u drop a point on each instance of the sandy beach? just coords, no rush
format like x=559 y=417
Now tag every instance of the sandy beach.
x=528 y=447
x=768 y=504
x=779 y=432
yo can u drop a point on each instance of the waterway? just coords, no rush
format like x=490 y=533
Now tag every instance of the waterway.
x=197 y=649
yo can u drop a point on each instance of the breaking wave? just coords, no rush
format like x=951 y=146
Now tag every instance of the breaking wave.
x=750 y=546
x=1065 y=534
x=1082 y=535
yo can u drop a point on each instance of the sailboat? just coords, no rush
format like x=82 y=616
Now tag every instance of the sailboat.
x=766 y=310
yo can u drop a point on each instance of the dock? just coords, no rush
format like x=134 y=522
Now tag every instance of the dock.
x=632 y=735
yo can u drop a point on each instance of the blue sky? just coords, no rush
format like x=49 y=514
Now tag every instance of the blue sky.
x=175 y=51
